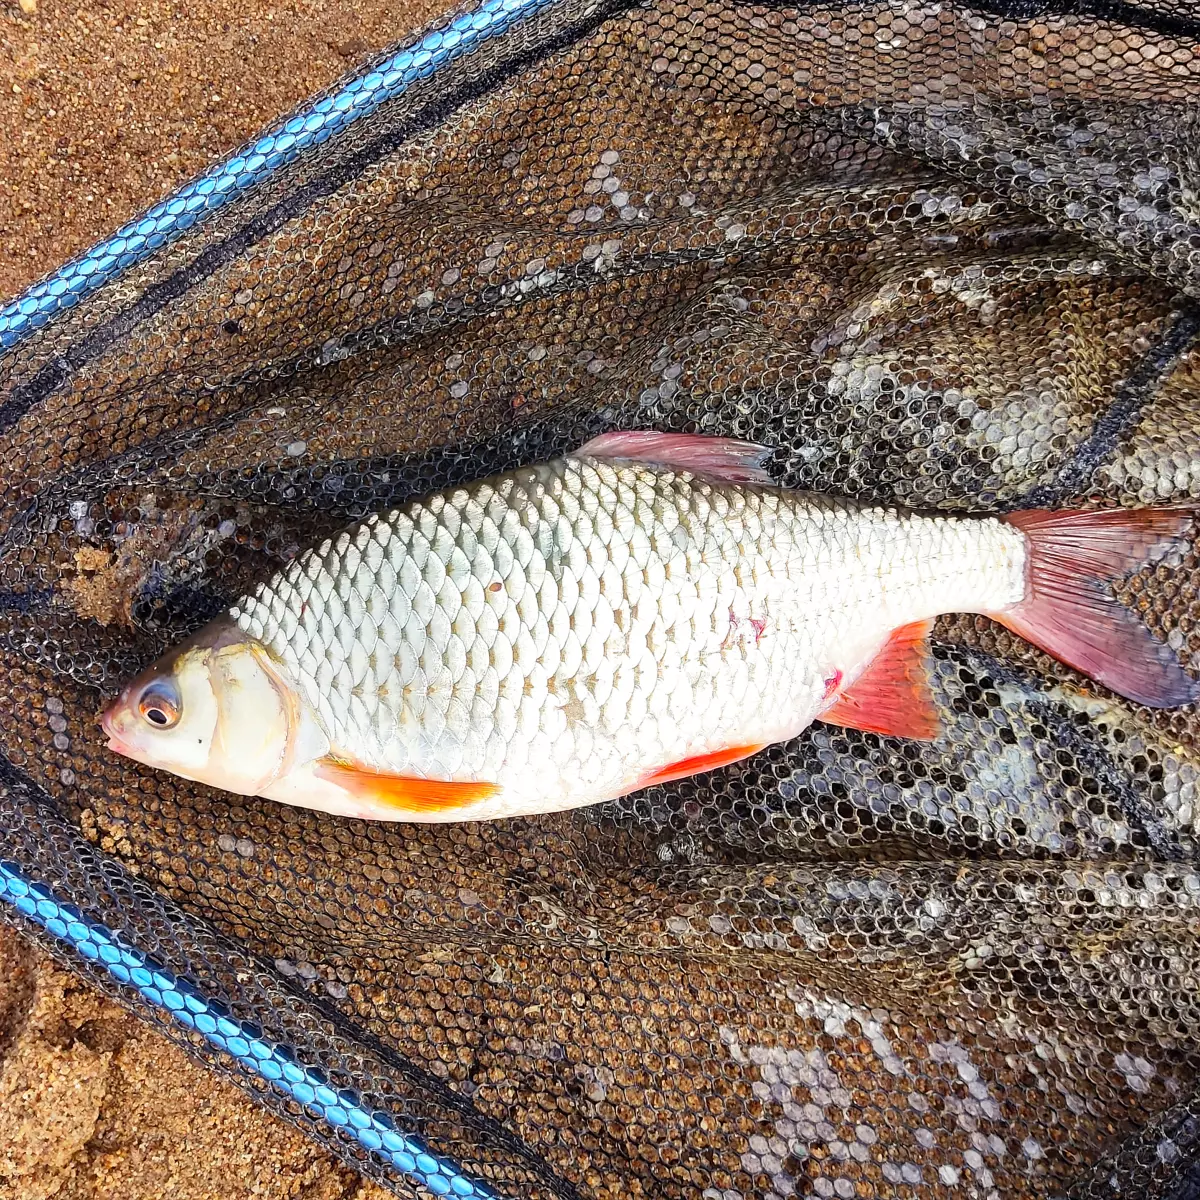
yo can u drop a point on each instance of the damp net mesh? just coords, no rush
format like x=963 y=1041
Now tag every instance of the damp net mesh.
x=943 y=256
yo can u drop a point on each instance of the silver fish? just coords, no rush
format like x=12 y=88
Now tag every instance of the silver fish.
x=646 y=608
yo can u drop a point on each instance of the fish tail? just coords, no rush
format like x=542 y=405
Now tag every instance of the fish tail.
x=1070 y=609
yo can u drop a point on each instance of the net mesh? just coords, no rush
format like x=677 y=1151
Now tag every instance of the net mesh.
x=939 y=255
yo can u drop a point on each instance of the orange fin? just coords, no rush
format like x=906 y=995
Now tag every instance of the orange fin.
x=403 y=791
x=1070 y=611
x=892 y=695
x=698 y=763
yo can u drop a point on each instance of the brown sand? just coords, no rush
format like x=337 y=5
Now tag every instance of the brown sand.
x=93 y=1104
x=105 y=105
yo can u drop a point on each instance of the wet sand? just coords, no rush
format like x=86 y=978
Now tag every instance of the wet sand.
x=105 y=107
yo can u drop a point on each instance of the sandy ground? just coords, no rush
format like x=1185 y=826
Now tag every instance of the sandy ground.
x=105 y=105
x=93 y=1104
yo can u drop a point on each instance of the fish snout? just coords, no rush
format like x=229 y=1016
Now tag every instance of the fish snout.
x=111 y=724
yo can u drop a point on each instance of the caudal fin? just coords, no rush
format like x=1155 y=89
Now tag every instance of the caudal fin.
x=1070 y=610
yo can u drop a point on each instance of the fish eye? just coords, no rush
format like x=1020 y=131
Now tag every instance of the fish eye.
x=159 y=705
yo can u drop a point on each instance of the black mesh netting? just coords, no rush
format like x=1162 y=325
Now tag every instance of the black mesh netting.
x=939 y=255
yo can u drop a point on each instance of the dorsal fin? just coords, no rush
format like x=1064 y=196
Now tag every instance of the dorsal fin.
x=892 y=695
x=725 y=459
x=404 y=792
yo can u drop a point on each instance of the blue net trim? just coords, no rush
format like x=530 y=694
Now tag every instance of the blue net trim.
x=166 y=221
x=343 y=1109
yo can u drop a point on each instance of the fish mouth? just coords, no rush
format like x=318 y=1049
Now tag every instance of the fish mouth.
x=115 y=742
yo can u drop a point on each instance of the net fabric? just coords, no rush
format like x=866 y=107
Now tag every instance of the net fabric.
x=940 y=256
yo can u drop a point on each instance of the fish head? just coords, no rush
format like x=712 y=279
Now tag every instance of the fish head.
x=216 y=710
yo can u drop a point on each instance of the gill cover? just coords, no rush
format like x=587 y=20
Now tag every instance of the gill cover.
x=215 y=710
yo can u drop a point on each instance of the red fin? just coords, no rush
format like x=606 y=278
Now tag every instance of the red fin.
x=720 y=458
x=701 y=762
x=403 y=791
x=892 y=695
x=1070 y=611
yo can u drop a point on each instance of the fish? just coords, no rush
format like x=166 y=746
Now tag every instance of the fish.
x=649 y=607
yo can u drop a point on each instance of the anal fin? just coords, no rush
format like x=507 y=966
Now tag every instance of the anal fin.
x=892 y=695
x=407 y=793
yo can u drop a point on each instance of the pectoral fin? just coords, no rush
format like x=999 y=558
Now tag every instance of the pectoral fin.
x=405 y=792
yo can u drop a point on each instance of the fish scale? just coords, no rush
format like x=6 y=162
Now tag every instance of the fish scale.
x=644 y=615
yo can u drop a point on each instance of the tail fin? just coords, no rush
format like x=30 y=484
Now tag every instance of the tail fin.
x=1069 y=608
